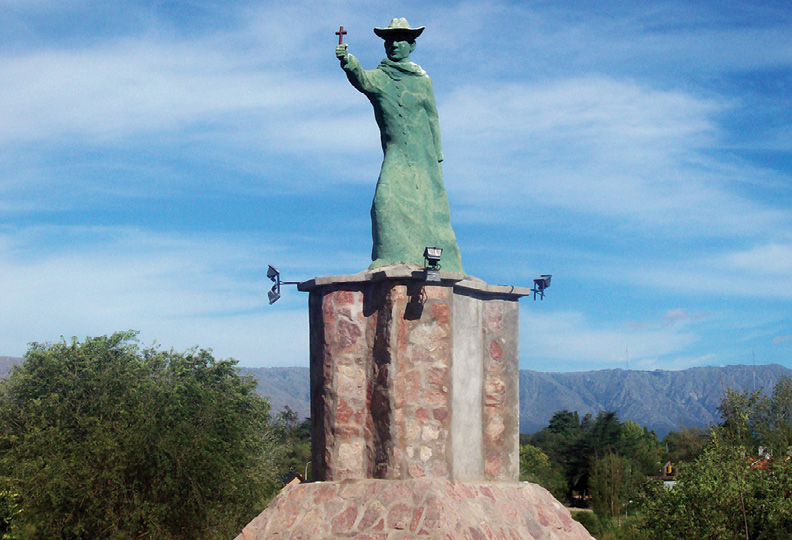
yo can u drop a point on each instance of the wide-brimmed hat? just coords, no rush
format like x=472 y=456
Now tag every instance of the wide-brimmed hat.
x=399 y=28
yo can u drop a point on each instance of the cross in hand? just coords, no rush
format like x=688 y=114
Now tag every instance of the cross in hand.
x=341 y=33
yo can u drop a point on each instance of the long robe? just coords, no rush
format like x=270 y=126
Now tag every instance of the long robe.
x=410 y=208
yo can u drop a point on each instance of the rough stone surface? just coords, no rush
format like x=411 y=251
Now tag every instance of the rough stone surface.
x=391 y=360
x=435 y=509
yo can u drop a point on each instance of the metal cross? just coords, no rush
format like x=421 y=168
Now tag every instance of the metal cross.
x=341 y=33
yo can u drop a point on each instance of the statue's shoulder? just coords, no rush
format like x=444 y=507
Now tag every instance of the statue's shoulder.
x=418 y=70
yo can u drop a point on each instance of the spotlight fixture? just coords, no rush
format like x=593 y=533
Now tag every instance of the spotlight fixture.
x=432 y=261
x=274 y=275
x=540 y=284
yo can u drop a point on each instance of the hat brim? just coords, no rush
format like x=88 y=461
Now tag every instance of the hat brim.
x=391 y=33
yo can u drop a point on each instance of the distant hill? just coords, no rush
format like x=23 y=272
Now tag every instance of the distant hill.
x=6 y=363
x=660 y=400
x=284 y=386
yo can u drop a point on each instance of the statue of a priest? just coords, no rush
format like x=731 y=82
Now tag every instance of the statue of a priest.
x=410 y=209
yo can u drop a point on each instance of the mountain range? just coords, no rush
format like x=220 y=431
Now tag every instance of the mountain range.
x=661 y=400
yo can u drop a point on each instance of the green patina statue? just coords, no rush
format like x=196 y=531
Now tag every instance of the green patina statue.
x=410 y=209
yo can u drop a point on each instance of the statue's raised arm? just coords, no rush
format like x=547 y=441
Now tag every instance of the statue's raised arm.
x=410 y=209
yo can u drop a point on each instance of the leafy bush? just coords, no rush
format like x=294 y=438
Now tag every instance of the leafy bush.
x=536 y=467
x=102 y=439
x=740 y=487
x=589 y=520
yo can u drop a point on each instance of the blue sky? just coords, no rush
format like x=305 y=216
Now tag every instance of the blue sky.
x=155 y=156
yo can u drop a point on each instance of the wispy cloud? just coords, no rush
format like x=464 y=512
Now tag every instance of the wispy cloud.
x=205 y=290
x=140 y=87
x=670 y=318
x=578 y=343
x=602 y=146
x=761 y=271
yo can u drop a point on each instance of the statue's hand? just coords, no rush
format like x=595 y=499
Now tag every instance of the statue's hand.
x=341 y=52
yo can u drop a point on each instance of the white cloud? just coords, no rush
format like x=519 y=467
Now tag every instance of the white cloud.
x=570 y=337
x=762 y=271
x=671 y=317
x=139 y=88
x=597 y=145
x=774 y=260
x=178 y=290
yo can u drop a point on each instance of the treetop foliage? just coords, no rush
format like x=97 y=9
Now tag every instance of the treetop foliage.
x=104 y=439
x=734 y=480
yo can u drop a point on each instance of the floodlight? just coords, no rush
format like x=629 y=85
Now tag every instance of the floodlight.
x=540 y=284
x=273 y=296
x=432 y=255
x=274 y=275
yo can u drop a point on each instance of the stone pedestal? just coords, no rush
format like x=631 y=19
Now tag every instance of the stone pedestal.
x=411 y=379
x=414 y=410
x=427 y=509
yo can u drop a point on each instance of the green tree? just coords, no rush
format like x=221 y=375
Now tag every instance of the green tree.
x=775 y=432
x=295 y=438
x=613 y=483
x=565 y=423
x=744 y=416
x=103 y=439
x=724 y=495
x=536 y=467
x=731 y=491
x=640 y=445
x=684 y=445
x=9 y=508
x=599 y=436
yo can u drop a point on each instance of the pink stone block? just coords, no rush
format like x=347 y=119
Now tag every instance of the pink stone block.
x=495 y=350
x=415 y=470
x=348 y=334
x=433 y=292
x=493 y=465
x=344 y=521
x=493 y=313
x=372 y=516
x=441 y=312
x=344 y=297
x=417 y=515
x=399 y=516
x=435 y=398
x=395 y=492
x=344 y=412
x=344 y=432
x=440 y=469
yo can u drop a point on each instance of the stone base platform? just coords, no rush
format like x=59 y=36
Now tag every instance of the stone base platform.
x=422 y=509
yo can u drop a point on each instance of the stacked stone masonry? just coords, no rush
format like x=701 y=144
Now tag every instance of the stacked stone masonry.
x=423 y=509
x=393 y=362
x=414 y=407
